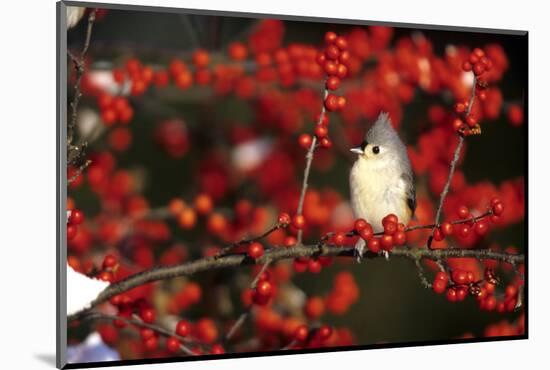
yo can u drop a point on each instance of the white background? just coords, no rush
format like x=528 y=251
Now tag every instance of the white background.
x=27 y=173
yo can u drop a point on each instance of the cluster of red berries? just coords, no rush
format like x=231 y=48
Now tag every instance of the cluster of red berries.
x=109 y=268
x=264 y=290
x=344 y=293
x=75 y=217
x=393 y=235
x=466 y=224
x=314 y=337
x=463 y=283
x=202 y=205
x=114 y=109
x=334 y=60
x=479 y=63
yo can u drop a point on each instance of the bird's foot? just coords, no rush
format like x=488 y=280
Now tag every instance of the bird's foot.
x=386 y=255
x=359 y=250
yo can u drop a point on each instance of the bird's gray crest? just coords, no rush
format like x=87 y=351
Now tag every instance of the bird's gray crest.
x=382 y=132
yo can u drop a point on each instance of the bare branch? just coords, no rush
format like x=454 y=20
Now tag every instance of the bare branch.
x=452 y=169
x=276 y=254
x=309 y=159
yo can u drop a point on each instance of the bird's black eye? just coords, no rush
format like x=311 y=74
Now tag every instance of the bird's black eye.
x=376 y=149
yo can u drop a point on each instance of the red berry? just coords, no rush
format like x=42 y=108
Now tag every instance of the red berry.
x=332 y=83
x=471 y=121
x=341 y=43
x=321 y=131
x=331 y=68
x=451 y=295
x=457 y=124
x=341 y=102
x=441 y=275
x=339 y=239
x=146 y=333
x=498 y=208
x=478 y=52
x=367 y=233
x=325 y=143
x=301 y=333
x=314 y=307
x=360 y=224
x=314 y=266
x=76 y=217
x=463 y=212
x=201 y=58
x=173 y=345
x=109 y=261
x=305 y=141
x=255 y=250
x=217 y=349
x=481 y=228
x=332 y=52
x=459 y=277
x=264 y=288
x=374 y=245
x=342 y=71
x=72 y=230
x=438 y=235
x=478 y=69
x=147 y=315
x=331 y=102
x=390 y=218
x=439 y=286
x=325 y=332
x=183 y=328
x=330 y=37
x=511 y=291
x=399 y=238
x=386 y=242
x=390 y=227
x=284 y=219
x=151 y=344
x=108 y=116
x=290 y=241
x=461 y=293
x=106 y=276
x=464 y=230
x=490 y=303
x=298 y=221
x=467 y=66
x=447 y=228
x=345 y=57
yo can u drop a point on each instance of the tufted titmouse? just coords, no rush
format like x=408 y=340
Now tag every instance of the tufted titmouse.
x=381 y=179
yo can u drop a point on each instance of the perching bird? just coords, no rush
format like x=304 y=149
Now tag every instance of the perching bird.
x=381 y=179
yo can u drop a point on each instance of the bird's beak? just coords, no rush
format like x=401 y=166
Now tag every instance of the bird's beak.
x=356 y=150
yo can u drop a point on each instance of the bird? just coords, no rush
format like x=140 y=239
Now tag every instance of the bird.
x=381 y=179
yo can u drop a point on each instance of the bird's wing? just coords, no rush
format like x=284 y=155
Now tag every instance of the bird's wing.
x=410 y=192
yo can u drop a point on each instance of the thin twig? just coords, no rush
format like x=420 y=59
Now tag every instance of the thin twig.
x=244 y=315
x=452 y=169
x=229 y=248
x=140 y=323
x=309 y=160
x=421 y=274
x=79 y=68
x=276 y=254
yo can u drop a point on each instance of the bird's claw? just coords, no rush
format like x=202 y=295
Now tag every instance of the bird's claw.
x=359 y=250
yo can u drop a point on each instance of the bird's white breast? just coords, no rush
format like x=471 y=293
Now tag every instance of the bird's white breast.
x=377 y=190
